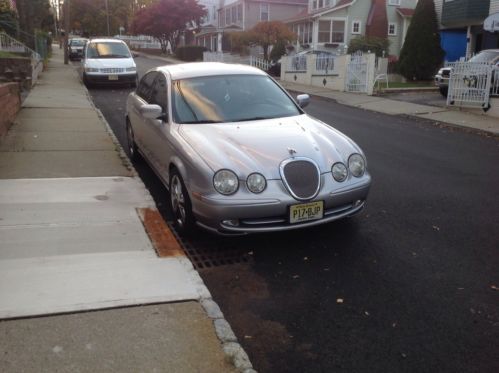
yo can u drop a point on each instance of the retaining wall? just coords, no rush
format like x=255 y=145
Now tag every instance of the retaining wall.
x=10 y=103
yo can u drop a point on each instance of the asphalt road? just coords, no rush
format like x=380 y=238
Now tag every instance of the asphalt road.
x=410 y=285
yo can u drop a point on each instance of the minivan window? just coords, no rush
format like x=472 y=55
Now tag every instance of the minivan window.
x=108 y=50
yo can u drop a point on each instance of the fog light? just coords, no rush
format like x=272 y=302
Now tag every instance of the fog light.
x=357 y=203
x=232 y=222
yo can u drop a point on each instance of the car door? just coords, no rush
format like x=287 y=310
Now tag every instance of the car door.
x=140 y=97
x=160 y=129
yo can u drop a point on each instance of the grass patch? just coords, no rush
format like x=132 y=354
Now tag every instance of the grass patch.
x=4 y=54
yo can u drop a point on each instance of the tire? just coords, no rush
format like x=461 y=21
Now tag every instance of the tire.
x=135 y=83
x=444 y=91
x=86 y=82
x=133 y=151
x=181 y=203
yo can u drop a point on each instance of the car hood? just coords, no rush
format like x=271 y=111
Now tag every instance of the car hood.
x=261 y=146
x=103 y=63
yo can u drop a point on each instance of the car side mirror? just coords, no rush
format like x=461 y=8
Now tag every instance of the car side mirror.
x=303 y=100
x=151 y=111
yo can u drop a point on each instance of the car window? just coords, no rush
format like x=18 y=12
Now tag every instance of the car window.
x=77 y=42
x=159 y=94
x=144 y=89
x=229 y=98
x=107 y=50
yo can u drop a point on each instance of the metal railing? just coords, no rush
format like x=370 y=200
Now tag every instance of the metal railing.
x=11 y=45
x=494 y=84
x=470 y=84
x=324 y=64
x=297 y=63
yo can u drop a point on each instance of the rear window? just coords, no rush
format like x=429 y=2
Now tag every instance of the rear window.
x=107 y=50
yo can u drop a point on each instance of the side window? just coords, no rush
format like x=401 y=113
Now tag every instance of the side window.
x=160 y=93
x=146 y=85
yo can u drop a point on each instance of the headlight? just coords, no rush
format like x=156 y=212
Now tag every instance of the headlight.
x=225 y=182
x=131 y=68
x=256 y=183
x=356 y=165
x=91 y=70
x=339 y=171
x=440 y=71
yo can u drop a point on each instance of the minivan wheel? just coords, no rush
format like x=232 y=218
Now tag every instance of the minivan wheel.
x=181 y=203
x=86 y=82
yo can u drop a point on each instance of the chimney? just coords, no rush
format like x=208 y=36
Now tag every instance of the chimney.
x=377 y=21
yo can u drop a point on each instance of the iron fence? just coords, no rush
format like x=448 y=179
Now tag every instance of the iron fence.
x=11 y=45
x=297 y=63
x=470 y=84
x=324 y=64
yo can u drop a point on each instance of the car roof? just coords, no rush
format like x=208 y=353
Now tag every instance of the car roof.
x=197 y=69
x=106 y=40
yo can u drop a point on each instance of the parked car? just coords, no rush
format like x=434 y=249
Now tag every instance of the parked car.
x=238 y=154
x=108 y=61
x=490 y=56
x=75 y=48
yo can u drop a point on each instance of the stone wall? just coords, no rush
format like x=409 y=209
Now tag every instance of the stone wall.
x=10 y=103
x=17 y=70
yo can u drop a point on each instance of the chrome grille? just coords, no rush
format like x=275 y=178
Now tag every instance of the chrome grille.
x=301 y=176
x=112 y=70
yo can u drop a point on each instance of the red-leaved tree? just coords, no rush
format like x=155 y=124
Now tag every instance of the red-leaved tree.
x=166 y=19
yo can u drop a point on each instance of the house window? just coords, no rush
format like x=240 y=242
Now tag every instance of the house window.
x=356 y=27
x=392 y=29
x=233 y=13
x=240 y=12
x=393 y=2
x=264 y=12
x=332 y=31
x=304 y=32
x=214 y=12
x=227 y=17
x=314 y=4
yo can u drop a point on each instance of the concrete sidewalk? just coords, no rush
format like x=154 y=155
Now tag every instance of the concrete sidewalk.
x=80 y=232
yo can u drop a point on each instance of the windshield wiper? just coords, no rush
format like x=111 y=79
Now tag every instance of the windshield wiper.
x=252 y=118
x=202 y=121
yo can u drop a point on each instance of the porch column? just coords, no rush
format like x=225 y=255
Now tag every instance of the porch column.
x=219 y=42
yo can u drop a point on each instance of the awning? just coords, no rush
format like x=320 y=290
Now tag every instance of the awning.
x=491 y=23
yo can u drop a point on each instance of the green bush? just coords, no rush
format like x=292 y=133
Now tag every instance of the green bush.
x=372 y=44
x=278 y=51
x=190 y=53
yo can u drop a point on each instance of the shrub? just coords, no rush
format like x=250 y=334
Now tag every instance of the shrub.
x=372 y=44
x=278 y=50
x=190 y=53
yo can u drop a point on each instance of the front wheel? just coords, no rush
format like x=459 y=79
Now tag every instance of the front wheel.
x=181 y=203
x=132 y=145
x=444 y=91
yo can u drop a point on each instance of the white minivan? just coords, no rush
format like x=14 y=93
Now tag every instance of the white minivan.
x=108 y=61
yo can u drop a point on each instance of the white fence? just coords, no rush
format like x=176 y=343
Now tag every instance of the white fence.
x=9 y=44
x=324 y=64
x=259 y=62
x=471 y=84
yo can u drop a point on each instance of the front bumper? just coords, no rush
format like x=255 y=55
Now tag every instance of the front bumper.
x=441 y=81
x=270 y=215
x=111 y=78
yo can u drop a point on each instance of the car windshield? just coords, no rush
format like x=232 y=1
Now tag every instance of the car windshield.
x=229 y=98
x=77 y=42
x=107 y=50
x=485 y=56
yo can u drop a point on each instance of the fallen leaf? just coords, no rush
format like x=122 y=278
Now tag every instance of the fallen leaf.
x=339 y=300
x=394 y=325
x=326 y=269
x=250 y=252
x=493 y=287
x=436 y=228
x=305 y=258
x=248 y=337
x=296 y=276
x=366 y=313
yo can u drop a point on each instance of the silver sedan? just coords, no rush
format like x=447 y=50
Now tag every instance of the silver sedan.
x=238 y=154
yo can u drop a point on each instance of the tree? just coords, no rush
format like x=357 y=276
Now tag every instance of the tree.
x=33 y=15
x=270 y=33
x=8 y=18
x=421 y=54
x=167 y=19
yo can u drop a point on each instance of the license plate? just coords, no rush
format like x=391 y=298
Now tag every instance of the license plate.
x=113 y=77
x=306 y=212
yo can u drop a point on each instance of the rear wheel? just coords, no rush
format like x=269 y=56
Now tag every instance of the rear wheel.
x=181 y=203
x=444 y=91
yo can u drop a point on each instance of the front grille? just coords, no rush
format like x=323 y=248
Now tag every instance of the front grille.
x=446 y=73
x=112 y=70
x=301 y=177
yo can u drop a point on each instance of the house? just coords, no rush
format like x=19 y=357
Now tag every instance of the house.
x=207 y=34
x=462 y=33
x=242 y=15
x=331 y=24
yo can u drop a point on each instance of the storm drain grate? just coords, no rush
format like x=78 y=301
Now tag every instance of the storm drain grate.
x=208 y=251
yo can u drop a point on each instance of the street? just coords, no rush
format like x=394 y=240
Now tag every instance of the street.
x=410 y=284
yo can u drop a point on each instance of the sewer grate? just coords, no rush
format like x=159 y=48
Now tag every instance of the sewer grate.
x=208 y=251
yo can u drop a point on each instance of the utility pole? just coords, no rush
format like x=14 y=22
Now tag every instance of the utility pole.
x=66 y=33
x=107 y=15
